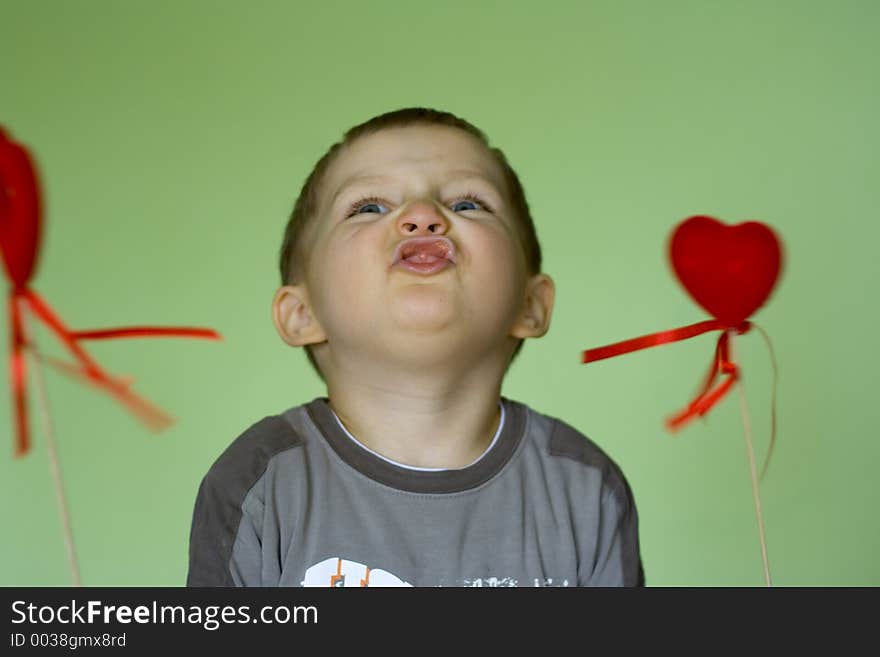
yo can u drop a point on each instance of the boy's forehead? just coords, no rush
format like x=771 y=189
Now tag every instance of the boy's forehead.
x=440 y=151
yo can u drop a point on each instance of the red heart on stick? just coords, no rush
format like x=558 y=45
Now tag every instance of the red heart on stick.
x=20 y=211
x=728 y=270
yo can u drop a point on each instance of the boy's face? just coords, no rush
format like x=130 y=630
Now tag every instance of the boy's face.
x=365 y=306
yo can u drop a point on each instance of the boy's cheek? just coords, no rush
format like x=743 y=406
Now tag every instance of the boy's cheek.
x=343 y=288
x=496 y=257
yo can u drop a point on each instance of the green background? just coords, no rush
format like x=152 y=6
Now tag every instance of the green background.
x=173 y=138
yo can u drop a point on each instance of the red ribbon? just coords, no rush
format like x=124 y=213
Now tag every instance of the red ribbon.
x=722 y=366
x=21 y=210
x=89 y=371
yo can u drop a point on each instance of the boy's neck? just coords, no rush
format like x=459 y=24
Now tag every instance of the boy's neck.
x=421 y=422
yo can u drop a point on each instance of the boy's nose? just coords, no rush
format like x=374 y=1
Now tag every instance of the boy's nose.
x=422 y=219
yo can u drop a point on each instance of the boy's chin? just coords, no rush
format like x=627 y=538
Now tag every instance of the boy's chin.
x=424 y=356
x=421 y=315
x=443 y=350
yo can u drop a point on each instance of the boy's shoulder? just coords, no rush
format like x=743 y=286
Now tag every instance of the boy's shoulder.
x=251 y=451
x=567 y=441
x=564 y=441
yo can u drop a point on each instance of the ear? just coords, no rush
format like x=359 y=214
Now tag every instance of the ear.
x=293 y=318
x=534 y=318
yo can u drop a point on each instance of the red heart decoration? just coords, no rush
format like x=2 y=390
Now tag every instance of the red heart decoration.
x=20 y=211
x=728 y=270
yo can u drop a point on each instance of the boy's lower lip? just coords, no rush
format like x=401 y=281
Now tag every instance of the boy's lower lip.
x=423 y=267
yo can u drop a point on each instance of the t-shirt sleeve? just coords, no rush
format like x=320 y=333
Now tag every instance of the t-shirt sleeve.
x=618 y=558
x=224 y=544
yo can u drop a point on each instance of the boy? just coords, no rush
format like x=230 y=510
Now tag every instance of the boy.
x=411 y=274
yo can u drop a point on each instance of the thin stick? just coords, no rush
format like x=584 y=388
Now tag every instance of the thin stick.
x=744 y=409
x=54 y=465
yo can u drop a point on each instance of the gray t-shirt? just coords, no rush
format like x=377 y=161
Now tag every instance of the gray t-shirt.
x=294 y=501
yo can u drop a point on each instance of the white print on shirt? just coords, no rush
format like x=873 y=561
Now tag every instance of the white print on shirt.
x=340 y=572
x=495 y=582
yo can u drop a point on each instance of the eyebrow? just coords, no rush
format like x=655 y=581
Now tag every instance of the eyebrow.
x=457 y=174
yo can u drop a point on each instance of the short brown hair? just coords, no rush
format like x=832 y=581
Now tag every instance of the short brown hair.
x=305 y=209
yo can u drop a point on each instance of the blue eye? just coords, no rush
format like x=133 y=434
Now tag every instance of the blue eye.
x=473 y=199
x=465 y=201
x=366 y=205
x=358 y=206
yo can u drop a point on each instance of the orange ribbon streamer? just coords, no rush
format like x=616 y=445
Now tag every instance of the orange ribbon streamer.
x=88 y=371
x=721 y=364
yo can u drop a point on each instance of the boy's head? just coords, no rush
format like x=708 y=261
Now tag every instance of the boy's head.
x=411 y=173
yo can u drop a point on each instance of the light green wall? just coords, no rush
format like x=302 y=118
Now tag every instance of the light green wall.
x=174 y=136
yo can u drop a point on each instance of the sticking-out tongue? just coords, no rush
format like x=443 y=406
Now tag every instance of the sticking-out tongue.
x=422 y=257
x=425 y=252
